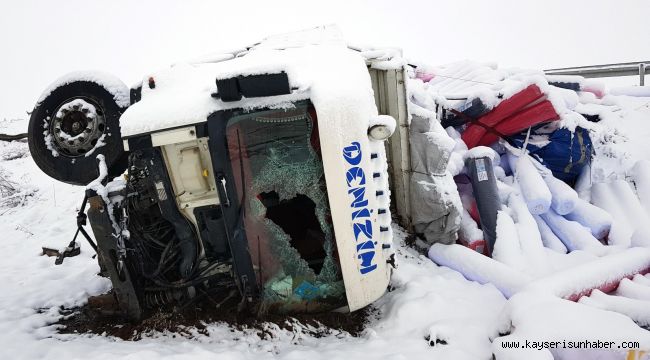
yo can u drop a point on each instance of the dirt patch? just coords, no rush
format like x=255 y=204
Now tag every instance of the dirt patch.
x=187 y=322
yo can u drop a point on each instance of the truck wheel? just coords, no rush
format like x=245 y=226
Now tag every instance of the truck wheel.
x=72 y=125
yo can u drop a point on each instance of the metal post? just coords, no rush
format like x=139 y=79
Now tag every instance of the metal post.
x=641 y=74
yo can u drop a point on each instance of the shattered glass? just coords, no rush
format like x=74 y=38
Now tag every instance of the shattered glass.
x=280 y=178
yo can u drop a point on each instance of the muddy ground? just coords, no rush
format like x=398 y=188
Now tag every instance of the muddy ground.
x=90 y=319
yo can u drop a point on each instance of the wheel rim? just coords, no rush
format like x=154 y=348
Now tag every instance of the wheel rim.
x=77 y=126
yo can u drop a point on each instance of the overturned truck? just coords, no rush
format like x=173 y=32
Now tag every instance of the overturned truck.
x=261 y=174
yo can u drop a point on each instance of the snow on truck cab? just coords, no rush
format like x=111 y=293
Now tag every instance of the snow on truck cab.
x=262 y=174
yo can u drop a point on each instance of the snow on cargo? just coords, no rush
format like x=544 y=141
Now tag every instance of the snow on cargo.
x=278 y=201
x=632 y=308
x=542 y=318
x=639 y=91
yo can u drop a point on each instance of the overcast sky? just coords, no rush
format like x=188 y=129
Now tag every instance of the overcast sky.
x=41 y=40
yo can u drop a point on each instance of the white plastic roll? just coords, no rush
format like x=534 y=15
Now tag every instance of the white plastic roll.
x=533 y=187
x=573 y=235
x=507 y=249
x=549 y=239
x=530 y=239
x=634 y=212
x=479 y=268
x=596 y=219
x=641 y=176
x=583 y=183
x=621 y=231
x=564 y=198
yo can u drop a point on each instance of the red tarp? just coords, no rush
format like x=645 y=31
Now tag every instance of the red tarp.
x=522 y=110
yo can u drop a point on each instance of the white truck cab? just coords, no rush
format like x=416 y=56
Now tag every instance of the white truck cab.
x=265 y=171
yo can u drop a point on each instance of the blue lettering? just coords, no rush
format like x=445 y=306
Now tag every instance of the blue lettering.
x=366 y=229
x=360 y=213
x=356 y=181
x=352 y=153
x=354 y=174
x=359 y=197
x=368 y=269
x=366 y=259
x=368 y=245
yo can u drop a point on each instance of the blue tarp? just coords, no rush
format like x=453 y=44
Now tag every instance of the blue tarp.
x=565 y=154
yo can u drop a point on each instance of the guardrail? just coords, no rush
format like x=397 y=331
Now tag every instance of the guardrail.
x=607 y=70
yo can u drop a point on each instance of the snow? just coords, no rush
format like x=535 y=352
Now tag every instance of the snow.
x=564 y=198
x=539 y=317
x=634 y=212
x=112 y=84
x=183 y=96
x=629 y=227
x=464 y=308
x=469 y=231
x=579 y=279
x=479 y=268
x=100 y=143
x=633 y=290
x=573 y=235
x=530 y=240
x=48 y=138
x=316 y=69
x=641 y=177
x=32 y=289
x=483 y=151
x=621 y=230
x=639 y=91
x=597 y=220
x=636 y=310
x=549 y=239
x=507 y=248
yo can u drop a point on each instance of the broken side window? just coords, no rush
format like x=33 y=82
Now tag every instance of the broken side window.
x=278 y=172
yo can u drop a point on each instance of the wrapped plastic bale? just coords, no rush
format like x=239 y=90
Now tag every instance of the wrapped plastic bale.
x=597 y=88
x=583 y=183
x=621 y=230
x=641 y=176
x=549 y=239
x=507 y=249
x=631 y=227
x=533 y=187
x=435 y=203
x=597 y=220
x=479 y=268
x=634 y=212
x=563 y=197
x=484 y=186
x=530 y=240
x=563 y=152
x=573 y=235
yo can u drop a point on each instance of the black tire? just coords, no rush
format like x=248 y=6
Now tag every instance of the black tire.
x=76 y=164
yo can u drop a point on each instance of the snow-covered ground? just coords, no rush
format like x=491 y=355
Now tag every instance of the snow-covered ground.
x=428 y=302
x=433 y=312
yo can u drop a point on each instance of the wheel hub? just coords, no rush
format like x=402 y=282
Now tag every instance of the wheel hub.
x=77 y=126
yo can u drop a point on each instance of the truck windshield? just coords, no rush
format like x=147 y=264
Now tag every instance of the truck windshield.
x=278 y=173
